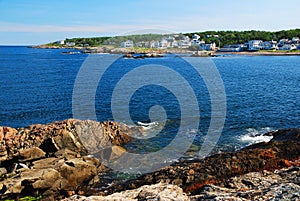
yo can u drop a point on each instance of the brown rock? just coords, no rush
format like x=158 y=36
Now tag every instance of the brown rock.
x=3 y=171
x=56 y=156
x=1 y=134
x=31 y=154
x=46 y=162
x=78 y=172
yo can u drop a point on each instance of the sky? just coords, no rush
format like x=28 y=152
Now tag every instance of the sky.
x=33 y=22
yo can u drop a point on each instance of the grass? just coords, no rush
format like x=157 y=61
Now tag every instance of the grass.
x=27 y=198
x=283 y=51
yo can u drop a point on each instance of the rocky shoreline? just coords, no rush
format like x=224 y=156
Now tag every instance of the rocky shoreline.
x=53 y=161
x=261 y=53
x=111 y=50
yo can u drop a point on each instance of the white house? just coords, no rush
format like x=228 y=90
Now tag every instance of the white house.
x=211 y=46
x=127 y=44
x=164 y=43
x=185 y=42
x=255 y=45
x=296 y=39
x=174 y=43
x=140 y=44
x=283 y=41
x=269 y=45
x=156 y=44
x=150 y=44
x=60 y=42
x=197 y=42
x=70 y=44
x=185 y=38
x=171 y=38
x=288 y=47
x=195 y=37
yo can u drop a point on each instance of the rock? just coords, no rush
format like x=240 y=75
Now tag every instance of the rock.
x=47 y=162
x=142 y=55
x=264 y=186
x=51 y=176
x=31 y=154
x=96 y=136
x=111 y=153
x=78 y=172
x=3 y=171
x=281 y=152
x=160 y=191
x=203 y=54
x=74 y=135
x=52 y=160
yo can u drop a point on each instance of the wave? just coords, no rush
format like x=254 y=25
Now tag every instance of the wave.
x=256 y=135
x=148 y=125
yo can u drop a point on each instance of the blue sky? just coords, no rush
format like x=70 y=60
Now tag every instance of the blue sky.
x=29 y=22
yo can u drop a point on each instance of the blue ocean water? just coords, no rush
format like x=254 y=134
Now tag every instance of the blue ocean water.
x=36 y=86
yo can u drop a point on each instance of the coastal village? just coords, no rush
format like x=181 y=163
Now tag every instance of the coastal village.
x=198 y=44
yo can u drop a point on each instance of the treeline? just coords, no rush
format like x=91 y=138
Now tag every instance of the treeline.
x=219 y=37
x=239 y=37
x=116 y=41
x=135 y=38
x=94 y=41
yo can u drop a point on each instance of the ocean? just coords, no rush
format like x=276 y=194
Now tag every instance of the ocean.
x=262 y=94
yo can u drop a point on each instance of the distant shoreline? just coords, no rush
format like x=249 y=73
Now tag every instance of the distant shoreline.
x=113 y=50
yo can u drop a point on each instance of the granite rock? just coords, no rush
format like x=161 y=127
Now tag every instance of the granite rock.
x=53 y=160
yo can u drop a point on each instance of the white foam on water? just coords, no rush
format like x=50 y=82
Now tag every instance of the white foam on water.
x=148 y=126
x=253 y=135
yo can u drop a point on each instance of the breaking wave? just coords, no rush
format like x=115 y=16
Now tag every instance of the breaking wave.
x=256 y=135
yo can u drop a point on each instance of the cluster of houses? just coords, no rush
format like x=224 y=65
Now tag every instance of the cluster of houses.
x=182 y=41
x=172 y=42
x=255 y=45
x=186 y=42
